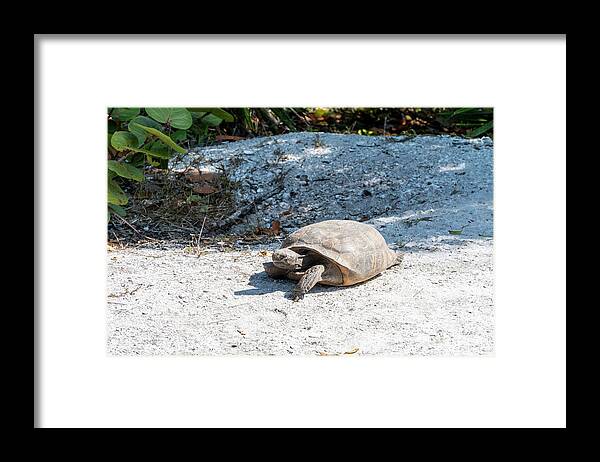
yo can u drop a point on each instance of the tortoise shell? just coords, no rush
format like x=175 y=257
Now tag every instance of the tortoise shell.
x=357 y=249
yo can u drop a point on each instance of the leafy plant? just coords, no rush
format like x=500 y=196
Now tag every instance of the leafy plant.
x=477 y=121
x=205 y=118
x=266 y=121
x=138 y=137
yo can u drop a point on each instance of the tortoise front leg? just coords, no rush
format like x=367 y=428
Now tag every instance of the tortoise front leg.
x=308 y=281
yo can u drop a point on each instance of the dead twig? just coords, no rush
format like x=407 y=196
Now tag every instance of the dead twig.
x=277 y=310
x=134 y=229
x=118 y=240
x=221 y=320
x=146 y=256
x=127 y=223
x=136 y=289
x=391 y=139
x=127 y=292
x=201 y=229
x=303 y=119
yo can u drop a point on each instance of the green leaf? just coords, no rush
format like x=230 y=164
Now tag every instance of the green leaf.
x=203 y=134
x=212 y=120
x=209 y=120
x=481 y=130
x=117 y=209
x=158 y=149
x=164 y=138
x=455 y=231
x=140 y=133
x=115 y=194
x=220 y=113
x=176 y=117
x=125 y=113
x=137 y=159
x=158 y=113
x=321 y=111
x=284 y=117
x=126 y=170
x=123 y=141
x=179 y=136
x=462 y=110
x=151 y=161
x=193 y=198
x=247 y=118
x=206 y=119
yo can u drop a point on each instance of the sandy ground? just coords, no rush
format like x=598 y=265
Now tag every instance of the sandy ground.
x=429 y=196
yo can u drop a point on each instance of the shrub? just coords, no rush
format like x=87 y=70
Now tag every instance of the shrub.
x=138 y=137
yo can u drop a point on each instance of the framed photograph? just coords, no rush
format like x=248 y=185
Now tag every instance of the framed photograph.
x=229 y=245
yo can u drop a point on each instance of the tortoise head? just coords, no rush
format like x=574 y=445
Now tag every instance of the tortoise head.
x=287 y=259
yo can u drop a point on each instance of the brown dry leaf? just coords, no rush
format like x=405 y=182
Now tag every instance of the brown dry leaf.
x=209 y=177
x=229 y=138
x=352 y=351
x=274 y=230
x=241 y=332
x=194 y=175
x=204 y=188
x=276 y=227
x=322 y=353
x=287 y=212
x=264 y=253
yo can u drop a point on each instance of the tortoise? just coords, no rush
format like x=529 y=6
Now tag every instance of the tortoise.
x=331 y=252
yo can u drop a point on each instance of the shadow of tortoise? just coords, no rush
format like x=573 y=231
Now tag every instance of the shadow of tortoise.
x=264 y=284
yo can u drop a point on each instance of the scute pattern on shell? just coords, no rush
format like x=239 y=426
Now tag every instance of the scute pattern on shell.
x=358 y=249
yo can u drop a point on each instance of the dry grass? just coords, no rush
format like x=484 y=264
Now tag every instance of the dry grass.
x=167 y=206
